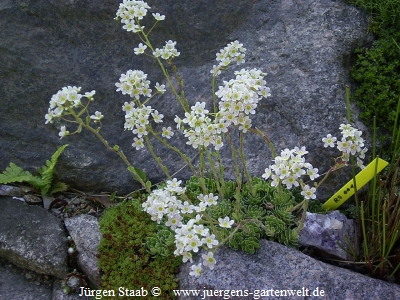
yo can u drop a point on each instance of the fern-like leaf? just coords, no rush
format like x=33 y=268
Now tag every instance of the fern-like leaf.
x=58 y=187
x=16 y=174
x=47 y=171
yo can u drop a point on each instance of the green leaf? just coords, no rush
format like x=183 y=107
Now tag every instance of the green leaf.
x=148 y=184
x=139 y=172
x=58 y=187
x=16 y=174
x=250 y=245
x=47 y=171
x=112 y=196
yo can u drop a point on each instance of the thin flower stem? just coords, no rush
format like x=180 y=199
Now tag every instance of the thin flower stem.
x=238 y=177
x=244 y=164
x=214 y=172
x=105 y=143
x=201 y=171
x=260 y=133
x=182 y=101
x=184 y=157
x=213 y=94
x=157 y=158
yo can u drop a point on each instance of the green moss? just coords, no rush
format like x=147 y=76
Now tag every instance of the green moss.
x=385 y=13
x=123 y=259
x=377 y=73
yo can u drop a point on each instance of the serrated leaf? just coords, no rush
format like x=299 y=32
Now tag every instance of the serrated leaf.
x=13 y=173
x=58 y=187
x=47 y=170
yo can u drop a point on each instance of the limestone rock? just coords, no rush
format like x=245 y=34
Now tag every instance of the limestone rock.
x=85 y=232
x=9 y=190
x=329 y=234
x=303 y=45
x=14 y=284
x=31 y=238
x=277 y=267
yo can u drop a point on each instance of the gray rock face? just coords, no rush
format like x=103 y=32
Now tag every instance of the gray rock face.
x=32 y=238
x=14 y=285
x=329 y=234
x=303 y=45
x=275 y=267
x=85 y=232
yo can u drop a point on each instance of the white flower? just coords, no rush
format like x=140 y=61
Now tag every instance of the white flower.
x=90 y=95
x=267 y=173
x=199 y=109
x=233 y=52
x=226 y=222
x=157 y=52
x=174 y=186
x=158 y=17
x=49 y=116
x=97 y=116
x=63 y=132
x=211 y=241
x=208 y=260
x=160 y=88
x=138 y=143
x=140 y=131
x=308 y=193
x=140 y=49
x=329 y=140
x=290 y=181
x=312 y=173
x=344 y=145
x=167 y=132
x=195 y=270
x=187 y=256
x=193 y=244
x=174 y=221
x=187 y=208
x=157 y=117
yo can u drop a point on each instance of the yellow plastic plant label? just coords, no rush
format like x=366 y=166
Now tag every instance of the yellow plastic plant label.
x=361 y=179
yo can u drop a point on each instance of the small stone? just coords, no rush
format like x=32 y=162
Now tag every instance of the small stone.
x=76 y=201
x=9 y=190
x=47 y=201
x=32 y=200
x=326 y=234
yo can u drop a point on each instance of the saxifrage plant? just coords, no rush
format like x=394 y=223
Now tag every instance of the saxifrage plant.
x=220 y=215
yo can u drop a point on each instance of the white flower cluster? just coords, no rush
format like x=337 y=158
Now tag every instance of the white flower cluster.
x=164 y=205
x=351 y=144
x=288 y=169
x=68 y=97
x=135 y=84
x=167 y=51
x=130 y=12
x=239 y=98
x=202 y=131
x=233 y=52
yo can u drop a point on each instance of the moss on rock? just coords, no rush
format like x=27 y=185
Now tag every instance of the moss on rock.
x=123 y=258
